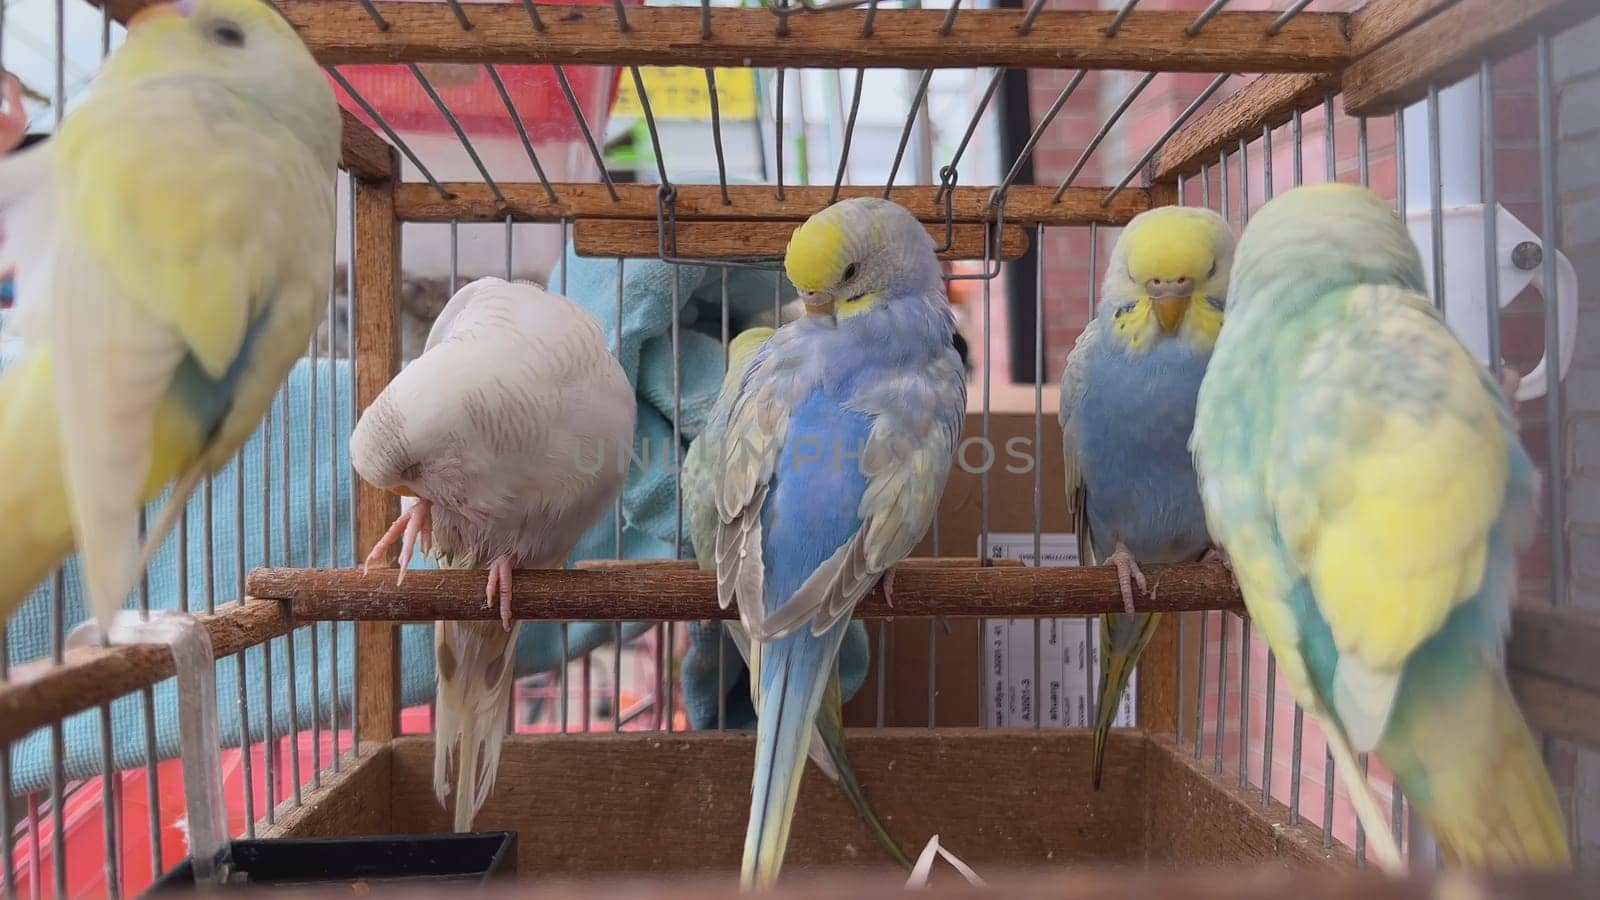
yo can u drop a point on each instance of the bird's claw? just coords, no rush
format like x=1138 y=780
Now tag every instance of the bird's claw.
x=888 y=587
x=498 y=590
x=1128 y=574
x=1218 y=555
x=413 y=523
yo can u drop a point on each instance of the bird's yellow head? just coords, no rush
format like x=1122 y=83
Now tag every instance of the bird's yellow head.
x=848 y=258
x=244 y=46
x=1168 y=277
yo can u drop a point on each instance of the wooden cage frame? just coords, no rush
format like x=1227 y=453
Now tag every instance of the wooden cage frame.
x=1382 y=56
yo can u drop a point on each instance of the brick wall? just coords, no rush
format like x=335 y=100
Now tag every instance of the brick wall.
x=1576 y=72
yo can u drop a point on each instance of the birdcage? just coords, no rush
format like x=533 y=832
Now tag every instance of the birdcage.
x=483 y=139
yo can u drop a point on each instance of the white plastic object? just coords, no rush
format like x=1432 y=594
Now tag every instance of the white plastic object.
x=198 y=734
x=923 y=870
x=1466 y=298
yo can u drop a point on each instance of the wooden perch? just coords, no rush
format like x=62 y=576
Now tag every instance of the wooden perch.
x=652 y=592
x=40 y=692
x=341 y=33
x=528 y=202
x=1269 y=100
x=1449 y=46
x=635 y=239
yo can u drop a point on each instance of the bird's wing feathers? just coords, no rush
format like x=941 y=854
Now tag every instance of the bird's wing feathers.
x=1074 y=382
x=163 y=252
x=1388 y=473
x=757 y=426
x=177 y=215
x=905 y=462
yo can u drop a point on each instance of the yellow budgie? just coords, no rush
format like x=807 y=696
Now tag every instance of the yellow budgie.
x=1363 y=474
x=173 y=245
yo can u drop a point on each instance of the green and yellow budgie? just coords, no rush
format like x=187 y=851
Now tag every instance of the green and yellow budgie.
x=1367 y=482
x=700 y=509
x=1127 y=407
x=174 y=247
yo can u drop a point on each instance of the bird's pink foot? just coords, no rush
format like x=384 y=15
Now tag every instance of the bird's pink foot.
x=1128 y=574
x=498 y=590
x=888 y=587
x=1218 y=555
x=413 y=523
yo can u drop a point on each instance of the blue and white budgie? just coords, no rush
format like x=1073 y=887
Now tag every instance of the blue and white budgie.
x=173 y=245
x=1367 y=482
x=838 y=445
x=700 y=512
x=1127 y=407
x=512 y=431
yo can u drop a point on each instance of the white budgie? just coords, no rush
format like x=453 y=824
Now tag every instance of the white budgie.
x=173 y=245
x=507 y=431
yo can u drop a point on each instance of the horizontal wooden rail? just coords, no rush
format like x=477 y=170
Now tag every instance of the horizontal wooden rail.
x=1378 y=22
x=528 y=202
x=634 y=239
x=649 y=592
x=1269 y=100
x=341 y=33
x=1558 y=642
x=1551 y=661
x=40 y=693
x=1449 y=46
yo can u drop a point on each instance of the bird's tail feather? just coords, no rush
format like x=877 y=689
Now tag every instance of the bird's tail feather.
x=1122 y=640
x=1478 y=779
x=826 y=748
x=33 y=494
x=474 y=669
x=829 y=734
x=793 y=673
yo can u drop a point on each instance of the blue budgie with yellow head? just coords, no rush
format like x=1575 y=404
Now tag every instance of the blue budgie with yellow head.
x=174 y=246
x=1367 y=482
x=700 y=512
x=837 y=446
x=1127 y=406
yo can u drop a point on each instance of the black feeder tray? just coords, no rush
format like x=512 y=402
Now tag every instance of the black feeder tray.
x=459 y=860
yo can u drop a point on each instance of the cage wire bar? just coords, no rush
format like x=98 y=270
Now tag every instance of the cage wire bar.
x=992 y=220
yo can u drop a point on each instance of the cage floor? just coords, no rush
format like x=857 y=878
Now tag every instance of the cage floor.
x=588 y=806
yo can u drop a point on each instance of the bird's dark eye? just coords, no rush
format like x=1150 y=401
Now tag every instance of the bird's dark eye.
x=227 y=34
x=850 y=272
x=1124 y=309
x=1213 y=273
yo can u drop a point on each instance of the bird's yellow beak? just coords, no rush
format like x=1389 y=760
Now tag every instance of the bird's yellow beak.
x=818 y=303
x=1169 y=311
x=403 y=491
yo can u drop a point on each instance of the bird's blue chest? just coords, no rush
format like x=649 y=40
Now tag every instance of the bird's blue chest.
x=1134 y=423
